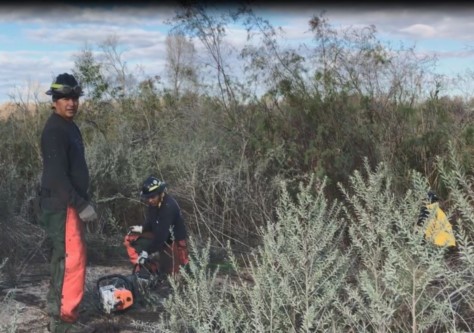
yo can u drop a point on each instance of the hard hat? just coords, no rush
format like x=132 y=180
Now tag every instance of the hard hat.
x=152 y=186
x=65 y=85
x=432 y=197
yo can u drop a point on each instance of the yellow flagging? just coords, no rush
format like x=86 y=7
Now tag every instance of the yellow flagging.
x=438 y=229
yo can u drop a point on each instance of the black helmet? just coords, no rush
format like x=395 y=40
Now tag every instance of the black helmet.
x=152 y=186
x=65 y=85
x=432 y=197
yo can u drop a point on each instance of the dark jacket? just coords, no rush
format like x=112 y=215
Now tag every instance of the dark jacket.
x=65 y=178
x=160 y=219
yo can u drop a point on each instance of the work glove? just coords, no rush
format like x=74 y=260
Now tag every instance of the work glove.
x=136 y=228
x=88 y=214
x=142 y=257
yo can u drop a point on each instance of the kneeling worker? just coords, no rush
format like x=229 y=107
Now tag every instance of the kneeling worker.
x=162 y=232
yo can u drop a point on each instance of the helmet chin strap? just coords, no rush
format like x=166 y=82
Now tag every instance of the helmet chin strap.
x=162 y=195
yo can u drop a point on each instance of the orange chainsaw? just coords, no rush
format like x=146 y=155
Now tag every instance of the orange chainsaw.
x=117 y=292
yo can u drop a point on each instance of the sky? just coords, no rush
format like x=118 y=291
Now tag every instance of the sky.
x=39 y=42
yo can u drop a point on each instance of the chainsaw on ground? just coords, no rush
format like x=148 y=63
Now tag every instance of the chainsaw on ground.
x=117 y=292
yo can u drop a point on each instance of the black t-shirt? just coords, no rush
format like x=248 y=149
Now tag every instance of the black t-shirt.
x=65 y=178
x=160 y=220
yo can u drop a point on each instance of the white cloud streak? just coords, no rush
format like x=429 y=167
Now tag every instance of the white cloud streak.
x=54 y=14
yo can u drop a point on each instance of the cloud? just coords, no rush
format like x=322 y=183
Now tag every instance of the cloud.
x=19 y=69
x=43 y=40
x=453 y=22
x=59 y=14
x=95 y=35
x=420 y=31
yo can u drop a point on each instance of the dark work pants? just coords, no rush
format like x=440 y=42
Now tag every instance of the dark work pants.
x=68 y=263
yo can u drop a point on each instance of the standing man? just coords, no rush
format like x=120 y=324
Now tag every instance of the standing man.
x=163 y=231
x=65 y=203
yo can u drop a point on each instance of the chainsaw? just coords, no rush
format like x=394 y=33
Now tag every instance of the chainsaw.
x=117 y=292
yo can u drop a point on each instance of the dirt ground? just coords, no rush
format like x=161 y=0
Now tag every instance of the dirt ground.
x=23 y=302
x=24 y=305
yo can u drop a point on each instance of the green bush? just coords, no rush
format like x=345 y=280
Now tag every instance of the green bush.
x=308 y=277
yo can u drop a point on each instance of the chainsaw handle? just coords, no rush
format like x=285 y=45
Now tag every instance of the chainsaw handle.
x=127 y=282
x=138 y=265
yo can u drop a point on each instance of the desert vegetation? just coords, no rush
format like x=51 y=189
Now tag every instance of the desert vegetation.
x=300 y=173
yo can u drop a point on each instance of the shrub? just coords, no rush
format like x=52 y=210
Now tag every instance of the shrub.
x=308 y=277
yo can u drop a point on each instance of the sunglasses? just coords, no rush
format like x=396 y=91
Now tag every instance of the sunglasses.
x=64 y=89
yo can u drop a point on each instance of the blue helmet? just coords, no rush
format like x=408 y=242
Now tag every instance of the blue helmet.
x=152 y=186
x=432 y=197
